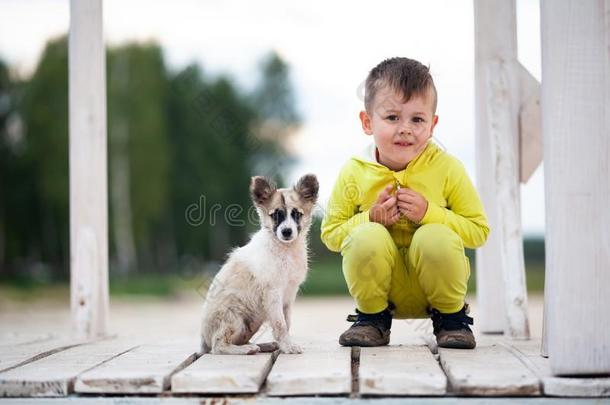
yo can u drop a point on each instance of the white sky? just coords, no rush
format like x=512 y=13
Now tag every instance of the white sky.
x=330 y=47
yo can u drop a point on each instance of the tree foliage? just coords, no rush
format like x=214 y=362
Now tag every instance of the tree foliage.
x=182 y=147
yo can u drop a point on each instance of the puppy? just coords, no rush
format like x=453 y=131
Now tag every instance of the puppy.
x=259 y=281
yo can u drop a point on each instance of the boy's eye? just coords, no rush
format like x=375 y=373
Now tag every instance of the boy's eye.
x=418 y=119
x=392 y=117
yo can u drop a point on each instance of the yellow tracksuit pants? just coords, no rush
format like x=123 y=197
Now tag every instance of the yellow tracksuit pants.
x=431 y=273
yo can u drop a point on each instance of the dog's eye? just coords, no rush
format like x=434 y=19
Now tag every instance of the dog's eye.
x=296 y=215
x=278 y=216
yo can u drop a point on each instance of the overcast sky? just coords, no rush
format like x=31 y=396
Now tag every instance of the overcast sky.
x=330 y=47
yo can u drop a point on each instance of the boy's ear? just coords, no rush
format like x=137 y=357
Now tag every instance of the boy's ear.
x=367 y=126
x=434 y=122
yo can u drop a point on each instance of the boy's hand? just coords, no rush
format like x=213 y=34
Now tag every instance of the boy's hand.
x=411 y=204
x=385 y=211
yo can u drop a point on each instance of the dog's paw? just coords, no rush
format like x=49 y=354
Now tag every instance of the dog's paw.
x=252 y=349
x=290 y=348
x=235 y=349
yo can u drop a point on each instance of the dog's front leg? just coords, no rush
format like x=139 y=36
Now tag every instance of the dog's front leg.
x=287 y=309
x=289 y=298
x=279 y=326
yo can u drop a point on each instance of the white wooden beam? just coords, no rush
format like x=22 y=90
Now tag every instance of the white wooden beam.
x=530 y=124
x=88 y=183
x=501 y=288
x=576 y=123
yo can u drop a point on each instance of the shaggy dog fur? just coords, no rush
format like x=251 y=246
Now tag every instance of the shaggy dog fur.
x=259 y=281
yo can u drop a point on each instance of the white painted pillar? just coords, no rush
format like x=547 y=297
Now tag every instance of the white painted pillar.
x=88 y=178
x=576 y=123
x=501 y=289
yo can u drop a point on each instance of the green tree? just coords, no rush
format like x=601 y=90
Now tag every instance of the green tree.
x=221 y=137
x=8 y=167
x=176 y=142
x=274 y=95
x=44 y=161
x=139 y=156
x=210 y=124
x=278 y=118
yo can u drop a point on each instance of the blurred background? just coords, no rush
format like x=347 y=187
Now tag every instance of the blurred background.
x=201 y=96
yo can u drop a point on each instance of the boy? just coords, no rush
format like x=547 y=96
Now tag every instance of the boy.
x=402 y=214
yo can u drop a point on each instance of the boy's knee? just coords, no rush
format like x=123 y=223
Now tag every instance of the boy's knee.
x=367 y=255
x=436 y=241
x=437 y=254
x=369 y=236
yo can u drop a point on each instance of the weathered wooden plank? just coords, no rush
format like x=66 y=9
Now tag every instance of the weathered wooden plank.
x=576 y=387
x=21 y=354
x=145 y=369
x=529 y=352
x=224 y=374
x=400 y=370
x=323 y=368
x=488 y=370
x=13 y=339
x=54 y=375
x=238 y=400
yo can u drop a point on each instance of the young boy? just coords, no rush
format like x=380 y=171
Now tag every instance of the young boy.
x=402 y=214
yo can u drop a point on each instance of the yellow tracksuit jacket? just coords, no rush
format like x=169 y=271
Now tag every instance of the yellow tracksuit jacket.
x=438 y=176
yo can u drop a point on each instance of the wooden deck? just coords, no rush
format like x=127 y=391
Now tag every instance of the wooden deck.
x=159 y=362
x=49 y=367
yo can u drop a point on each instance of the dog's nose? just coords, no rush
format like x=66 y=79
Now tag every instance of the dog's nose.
x=286 y=232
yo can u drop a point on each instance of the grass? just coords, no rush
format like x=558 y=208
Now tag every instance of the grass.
x=33 y=291
x=153 y=285
x=325 y=278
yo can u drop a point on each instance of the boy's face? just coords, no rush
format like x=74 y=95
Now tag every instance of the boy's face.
x=401 y=130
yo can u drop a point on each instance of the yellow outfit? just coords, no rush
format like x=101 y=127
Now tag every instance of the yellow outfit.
x=414 y=266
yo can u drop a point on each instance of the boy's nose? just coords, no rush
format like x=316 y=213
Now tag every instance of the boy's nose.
x=405 y=130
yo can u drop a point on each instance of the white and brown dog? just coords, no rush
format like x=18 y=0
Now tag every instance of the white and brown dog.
x=259 y=281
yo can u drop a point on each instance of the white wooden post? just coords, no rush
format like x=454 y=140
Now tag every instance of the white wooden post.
x=88 y=178
x=501 y=289
x=576 y=122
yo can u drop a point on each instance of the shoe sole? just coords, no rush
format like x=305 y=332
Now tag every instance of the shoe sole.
x=363 y=344
x=452 y=342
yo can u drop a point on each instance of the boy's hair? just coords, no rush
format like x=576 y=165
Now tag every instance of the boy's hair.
x=405 y=76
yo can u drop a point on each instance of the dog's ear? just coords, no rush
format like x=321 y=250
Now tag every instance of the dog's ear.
x=307 y=187
x=261 y=190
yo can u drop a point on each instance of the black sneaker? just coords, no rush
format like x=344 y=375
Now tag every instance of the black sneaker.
x=368 y=329
x=452 y=330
